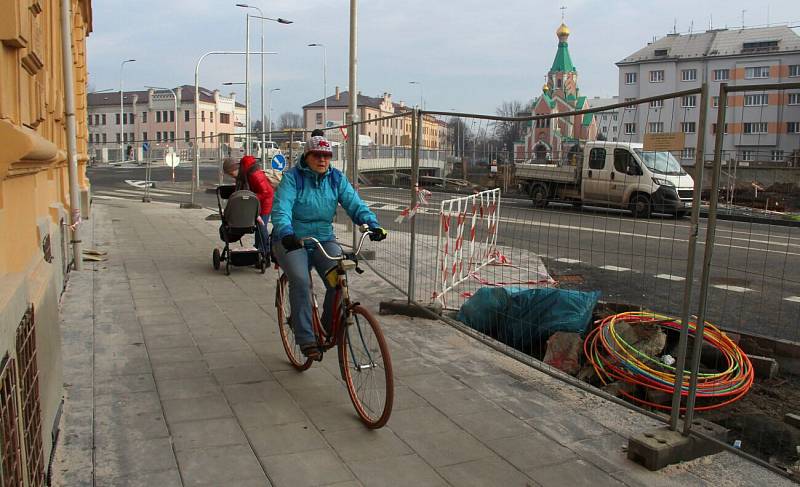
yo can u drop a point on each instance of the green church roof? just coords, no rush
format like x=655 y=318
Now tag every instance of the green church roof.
x=562 y=62
x=587 y=119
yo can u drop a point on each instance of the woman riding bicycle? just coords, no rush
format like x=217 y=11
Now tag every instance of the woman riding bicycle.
x=304 y=206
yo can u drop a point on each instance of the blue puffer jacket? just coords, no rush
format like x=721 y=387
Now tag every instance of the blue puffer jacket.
x=310 y=212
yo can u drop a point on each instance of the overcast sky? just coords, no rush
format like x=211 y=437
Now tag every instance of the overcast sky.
x=470 y=55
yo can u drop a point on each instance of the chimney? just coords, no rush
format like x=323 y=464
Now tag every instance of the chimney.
x=338 y=95
x=216 y=96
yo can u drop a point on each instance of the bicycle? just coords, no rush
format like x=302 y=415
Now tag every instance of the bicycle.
x=364 y=359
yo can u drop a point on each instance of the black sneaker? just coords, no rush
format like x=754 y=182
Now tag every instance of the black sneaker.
x=311 y=351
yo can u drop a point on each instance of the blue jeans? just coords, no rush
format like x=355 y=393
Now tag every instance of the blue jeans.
x=262 y=236
x=297 y=264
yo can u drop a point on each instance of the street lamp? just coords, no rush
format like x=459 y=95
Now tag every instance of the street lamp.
x=247 y=67
x=232 y=83
x=324 y=82
x=421 y=101
x=121 y=113
x=196 y=169
x=270 y=114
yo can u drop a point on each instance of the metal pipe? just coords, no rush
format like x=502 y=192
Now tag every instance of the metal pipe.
x=353 y=104
x=711 y=228
x=699 y=162
x=247 y=87
x=121 y=111
x=72 y=141
x=416 y=131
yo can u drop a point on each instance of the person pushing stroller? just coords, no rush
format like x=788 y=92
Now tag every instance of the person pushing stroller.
x=249 y=176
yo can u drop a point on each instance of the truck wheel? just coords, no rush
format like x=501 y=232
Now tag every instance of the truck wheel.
x=640 y=206
x=539 y=195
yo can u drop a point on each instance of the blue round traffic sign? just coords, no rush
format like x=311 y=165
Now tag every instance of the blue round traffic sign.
x=146 y=146
x=278 y=162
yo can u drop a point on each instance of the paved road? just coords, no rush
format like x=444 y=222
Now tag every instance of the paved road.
x=755 y=271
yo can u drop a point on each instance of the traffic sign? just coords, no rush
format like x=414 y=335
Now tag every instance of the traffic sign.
x=278 y=162
x=172 y=159
x=145 y=146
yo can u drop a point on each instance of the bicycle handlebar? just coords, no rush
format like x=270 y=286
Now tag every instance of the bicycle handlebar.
x=365 y=232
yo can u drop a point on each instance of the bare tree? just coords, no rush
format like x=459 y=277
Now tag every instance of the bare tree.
x=509 y=132
x=289 y=120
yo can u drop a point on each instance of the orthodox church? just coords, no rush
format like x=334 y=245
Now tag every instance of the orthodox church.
x=553 y=139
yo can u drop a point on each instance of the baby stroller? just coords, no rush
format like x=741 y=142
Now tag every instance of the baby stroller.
x=238 y=219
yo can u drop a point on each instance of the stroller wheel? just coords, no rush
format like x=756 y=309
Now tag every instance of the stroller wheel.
x=215 y=259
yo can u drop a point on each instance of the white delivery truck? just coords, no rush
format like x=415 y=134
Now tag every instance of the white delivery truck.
x=612 y=174
x=266 y=153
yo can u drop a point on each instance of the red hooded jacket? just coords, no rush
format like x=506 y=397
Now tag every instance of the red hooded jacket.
x=258 y=183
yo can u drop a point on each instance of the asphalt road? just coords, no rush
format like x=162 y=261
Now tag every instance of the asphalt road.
x=754 y=273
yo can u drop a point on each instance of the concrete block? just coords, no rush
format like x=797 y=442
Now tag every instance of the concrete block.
x=655 y=449
x=764 y=367
x=404 y=308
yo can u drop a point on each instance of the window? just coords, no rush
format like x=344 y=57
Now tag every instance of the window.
x=689 y=101
x=144 y=136
x=144 y=117
x=794 y=70
x=714 y=128
x=90 y=120
x=117 y=137
x=657 y=76
x=97 y=120
x=661 y=52
x=688 y=127
x=632 y=107
x=794 y=98
x=759 y=46
x=687 y=153
x=225 y=118
x=318 y=118
x=104 y=120
x=203 y=116
x=597 y=158
x=105 y=139
x=689 y=75
x=117 y=118
x=756 y=100
x=624 y=162
x=158 y=117
x=777 y=156
x=656 y=127
x=172 y=136
x=747 y=155
x=186 y=115
x=630 y=128
x=186 y=136
x=211 y=135
x=132 y=118
x=124 y=137
x=171 y=115
x=203 y=135
x=793 y=127
x=757 y=72
x=722 y=74
x=614 y=117
x=657 y=104
x=158 y=136
x=755 y=128
x=630 y=78
x=211 y=116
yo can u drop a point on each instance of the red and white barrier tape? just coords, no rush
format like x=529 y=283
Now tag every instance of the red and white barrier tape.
x=422 y=200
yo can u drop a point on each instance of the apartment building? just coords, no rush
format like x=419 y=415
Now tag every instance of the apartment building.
x=608 y=120
x=391 y=132
x=150 y=116
x=762 y=127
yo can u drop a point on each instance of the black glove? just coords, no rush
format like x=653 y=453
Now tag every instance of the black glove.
x=291 y=242
x=377 y=234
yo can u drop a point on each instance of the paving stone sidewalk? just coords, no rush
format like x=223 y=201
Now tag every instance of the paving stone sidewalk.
x=175 y=375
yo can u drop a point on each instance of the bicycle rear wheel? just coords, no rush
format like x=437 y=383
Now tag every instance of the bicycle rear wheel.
x=367 y=368
x=293 y=353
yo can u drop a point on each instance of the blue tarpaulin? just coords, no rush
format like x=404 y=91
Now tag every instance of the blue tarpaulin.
x=520 y=317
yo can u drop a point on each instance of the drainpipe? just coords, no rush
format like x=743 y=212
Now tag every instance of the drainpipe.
x=72 y=143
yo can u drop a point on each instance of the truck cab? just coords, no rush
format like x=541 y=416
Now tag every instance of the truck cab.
x=624 y=175
x=267 y=152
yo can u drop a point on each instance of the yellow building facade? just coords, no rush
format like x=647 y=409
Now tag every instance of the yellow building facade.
x=35 y=207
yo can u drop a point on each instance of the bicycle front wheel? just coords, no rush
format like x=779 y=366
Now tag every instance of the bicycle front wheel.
x=293 y=353
x=367 y=368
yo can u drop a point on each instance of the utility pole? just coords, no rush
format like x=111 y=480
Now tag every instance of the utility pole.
x=353 y=131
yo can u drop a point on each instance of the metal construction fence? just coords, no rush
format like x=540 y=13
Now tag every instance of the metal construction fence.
x=683 y=235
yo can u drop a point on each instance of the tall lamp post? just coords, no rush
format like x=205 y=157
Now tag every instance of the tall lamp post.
x=269 y=111
x=121 y=108
x=421 y=100
x=324 y=82
x=247 y=68
x=196 y=169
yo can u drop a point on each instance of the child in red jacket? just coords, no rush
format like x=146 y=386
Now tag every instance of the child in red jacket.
x=250 y=176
